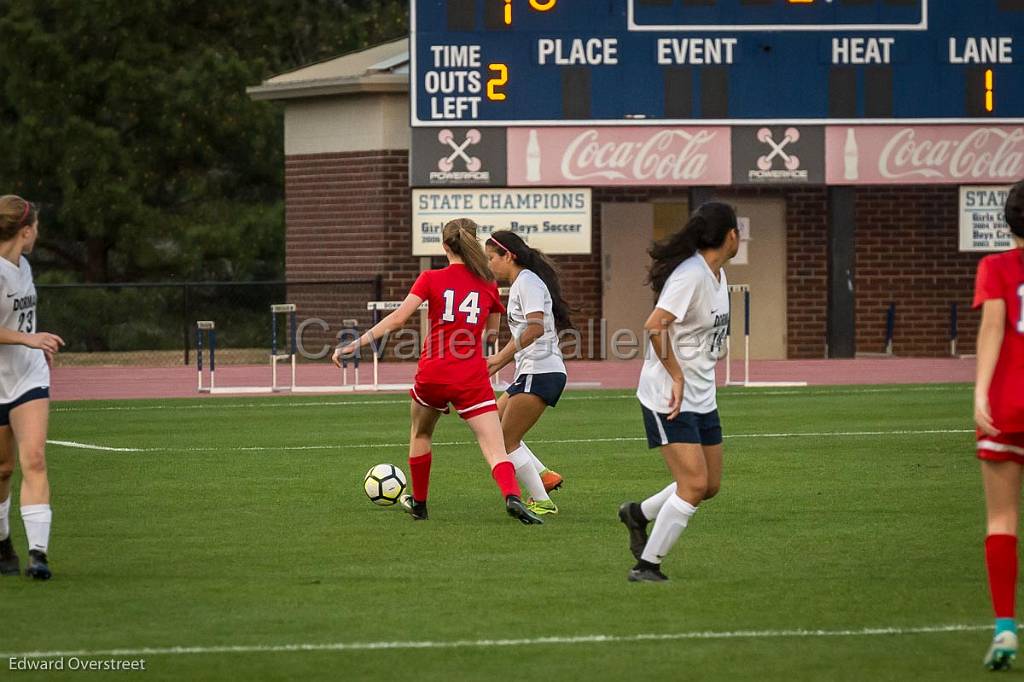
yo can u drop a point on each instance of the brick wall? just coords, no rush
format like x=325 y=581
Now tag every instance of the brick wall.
x=348 y=217
x=807 y=272
x=907 y=254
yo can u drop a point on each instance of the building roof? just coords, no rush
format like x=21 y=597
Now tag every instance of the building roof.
x=382 y=68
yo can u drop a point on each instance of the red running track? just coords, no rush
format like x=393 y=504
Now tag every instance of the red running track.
x=107 y=383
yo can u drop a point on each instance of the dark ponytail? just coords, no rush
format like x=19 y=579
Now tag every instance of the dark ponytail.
x=1015 y=209
x=542 y=266
x=707 y=228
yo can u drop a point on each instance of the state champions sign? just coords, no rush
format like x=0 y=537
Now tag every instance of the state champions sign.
x=556 y=221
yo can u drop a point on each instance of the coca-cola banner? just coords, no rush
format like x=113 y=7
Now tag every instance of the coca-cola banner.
x=923 y=155
x=619 y=156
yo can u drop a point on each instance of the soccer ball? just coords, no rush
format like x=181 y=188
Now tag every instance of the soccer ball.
x=384 y=484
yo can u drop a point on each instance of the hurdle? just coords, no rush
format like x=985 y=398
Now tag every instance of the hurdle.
x=351 y=327
x=288 y=309
x=378 y=307
x=211 y=332
x=746 y=383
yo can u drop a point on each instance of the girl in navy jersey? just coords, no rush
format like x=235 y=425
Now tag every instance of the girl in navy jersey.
x=24 y=391
x=536 y=312
x=686 y=334
x=463 y=306
x=999 y=415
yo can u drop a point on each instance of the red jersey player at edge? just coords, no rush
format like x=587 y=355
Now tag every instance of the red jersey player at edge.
x=464 y=306
x=999 y=414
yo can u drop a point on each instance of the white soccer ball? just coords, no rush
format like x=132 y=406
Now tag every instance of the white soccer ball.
x=384 y=484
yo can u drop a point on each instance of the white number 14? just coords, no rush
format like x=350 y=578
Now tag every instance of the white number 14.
x=470 y=305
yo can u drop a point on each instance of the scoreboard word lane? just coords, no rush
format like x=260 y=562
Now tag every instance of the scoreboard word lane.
x=537 y=62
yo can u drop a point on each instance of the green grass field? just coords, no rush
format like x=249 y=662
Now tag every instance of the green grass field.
x=242 y=523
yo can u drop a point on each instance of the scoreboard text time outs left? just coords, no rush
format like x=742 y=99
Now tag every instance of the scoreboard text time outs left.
x=529 y=62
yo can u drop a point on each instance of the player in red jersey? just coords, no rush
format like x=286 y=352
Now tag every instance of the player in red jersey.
x=464 y=307
x=999 y=414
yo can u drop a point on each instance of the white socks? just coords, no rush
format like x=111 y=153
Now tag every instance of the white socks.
x=672 y=519
x=537 y=464
x=527 y=472
x=652 y=505
x=37 y=525
x=5 y=518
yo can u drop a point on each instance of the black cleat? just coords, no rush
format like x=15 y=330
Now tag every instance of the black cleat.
x=646 y=572
x=631 y=515
x=517 y=510
x=37 y=566
x=9 y=564
x=417 y=510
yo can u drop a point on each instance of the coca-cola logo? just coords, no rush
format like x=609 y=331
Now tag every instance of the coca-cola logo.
x=666 y=155
x=983 y=153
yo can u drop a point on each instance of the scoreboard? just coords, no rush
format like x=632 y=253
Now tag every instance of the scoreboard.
x=574 y=62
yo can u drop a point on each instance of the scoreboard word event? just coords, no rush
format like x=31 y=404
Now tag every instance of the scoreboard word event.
x=573 y=62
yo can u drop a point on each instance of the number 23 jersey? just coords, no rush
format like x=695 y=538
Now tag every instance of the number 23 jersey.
x=459 y=303
x=21 y=368
x=1001 y=277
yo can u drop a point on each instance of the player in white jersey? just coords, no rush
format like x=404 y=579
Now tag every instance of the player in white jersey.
x=24 y=391
x=536 y=312
x=686 y=335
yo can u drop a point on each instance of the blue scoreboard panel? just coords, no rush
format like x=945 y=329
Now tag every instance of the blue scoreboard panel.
x=568 y=62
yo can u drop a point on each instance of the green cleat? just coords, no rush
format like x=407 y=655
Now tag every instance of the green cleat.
x=540 y=507
x=1002 y=652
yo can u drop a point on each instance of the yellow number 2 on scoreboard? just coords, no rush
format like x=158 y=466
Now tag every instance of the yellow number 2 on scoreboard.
x=498 y=81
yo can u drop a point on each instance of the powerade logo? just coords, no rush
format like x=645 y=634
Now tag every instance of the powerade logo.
x=776 y=154
x=765 y=155
x=458 y=156
x=459 y=152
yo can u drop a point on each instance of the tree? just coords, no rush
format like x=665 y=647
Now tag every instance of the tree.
x=128 y=121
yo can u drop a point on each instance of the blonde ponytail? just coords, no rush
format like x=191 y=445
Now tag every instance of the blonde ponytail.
x=460 y=236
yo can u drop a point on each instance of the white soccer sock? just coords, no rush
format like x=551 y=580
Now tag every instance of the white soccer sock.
x=537 y=464
x=653 y=504
x=5 y=518
x=37 y=519
x=671 y=521
x=527 y=473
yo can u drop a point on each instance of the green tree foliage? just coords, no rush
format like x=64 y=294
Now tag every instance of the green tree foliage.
x=129 y=122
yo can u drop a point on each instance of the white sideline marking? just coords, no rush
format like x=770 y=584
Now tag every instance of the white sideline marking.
x=493 y=643
x=810 y=392
x=622 y=439
x=87 y=446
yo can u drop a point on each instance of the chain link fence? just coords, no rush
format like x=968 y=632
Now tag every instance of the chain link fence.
x=153 y=324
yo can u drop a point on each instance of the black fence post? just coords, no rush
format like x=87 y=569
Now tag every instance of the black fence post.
x=184 y=318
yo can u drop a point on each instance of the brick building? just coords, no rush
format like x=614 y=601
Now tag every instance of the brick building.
x=826 y=261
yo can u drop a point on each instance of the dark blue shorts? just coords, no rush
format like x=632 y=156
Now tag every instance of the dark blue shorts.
x=548 y=386
x=687 y=427
x=33 y=394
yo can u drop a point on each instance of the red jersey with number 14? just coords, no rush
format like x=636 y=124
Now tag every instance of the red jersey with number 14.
x=459 y=304
x=1001 y=277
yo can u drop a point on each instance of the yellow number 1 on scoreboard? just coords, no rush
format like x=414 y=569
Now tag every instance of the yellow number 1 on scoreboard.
x=539 y=5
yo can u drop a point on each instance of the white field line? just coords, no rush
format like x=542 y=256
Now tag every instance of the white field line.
x=621 y=439
x=220 y=404
x=497 y=643
x=88 y=446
